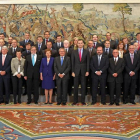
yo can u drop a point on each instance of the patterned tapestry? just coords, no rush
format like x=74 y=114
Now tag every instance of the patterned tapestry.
x=70 y=20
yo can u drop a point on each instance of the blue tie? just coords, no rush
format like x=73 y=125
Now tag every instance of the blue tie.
x=33 y=59
x=61 y=60
x=39 y=46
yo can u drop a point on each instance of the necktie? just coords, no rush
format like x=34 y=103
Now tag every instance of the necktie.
x=3 y=60
x=26 y=41
x=106 y=51
x=94 y=45
x=61 y=60
x=115 y=61
x=99 y=59
x=14 y=50
x=33 y=59
x=46 y=41
x=90 y=50
x=132 y=57
x=39 y=46
x=80 y=55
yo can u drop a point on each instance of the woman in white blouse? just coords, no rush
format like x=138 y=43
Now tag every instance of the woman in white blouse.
x=121 y=49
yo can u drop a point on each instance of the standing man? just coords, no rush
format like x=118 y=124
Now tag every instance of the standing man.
x=40 y=46
x=5 y=74
x=27 y=51
x=26 y=40
x=1 y=45
x=113 y=44
x=107 y=50
x=14 y=48
x=62 y=68
x=47 y=38
x=10 y=42
x=98 y=65
x=59 y=43
x=32 y=75
x=115 y=77
x=95 y=41
x=91 y=49
x=2 y=36
x=132 y=65
x=80 y=70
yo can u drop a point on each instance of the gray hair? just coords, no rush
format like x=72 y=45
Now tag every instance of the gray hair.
x=5 y=47
x=66 y=41
x=62 y=49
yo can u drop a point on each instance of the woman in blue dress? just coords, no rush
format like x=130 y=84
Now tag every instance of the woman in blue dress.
x=47 y=75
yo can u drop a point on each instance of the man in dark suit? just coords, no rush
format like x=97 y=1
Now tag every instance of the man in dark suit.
x=1 y=45
x=115 y=76
x=95 y=41
x=132 y=64
x=113 y=44
x=27 y=51
x=69 y=51
x=9 y=42
x=32 y=75
x=91 y=49
x=2 y=36
x=14 y=48
x=40 y=46
x=47 y=38
x=138 y=40
x=54 y=53
x=26 y=40
x=80 y=70
x=5 y=74
x=62 y=68
x=98 y=65
x=126 y=44
x=59 y=43
x=107 y=50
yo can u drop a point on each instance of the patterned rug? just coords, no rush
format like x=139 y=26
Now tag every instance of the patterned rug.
x=52 y=122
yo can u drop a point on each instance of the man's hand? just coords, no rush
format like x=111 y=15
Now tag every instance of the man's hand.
x=61 y=75
x=115 y=74
x=87 y=74
x=132 y=73
x=19 y=75
x=21 y=46
x=73 y=74
x=3 y=73
x=98 y=73
x=25 y=77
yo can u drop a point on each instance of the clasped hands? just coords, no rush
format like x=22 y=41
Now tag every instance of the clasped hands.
x=86 y=74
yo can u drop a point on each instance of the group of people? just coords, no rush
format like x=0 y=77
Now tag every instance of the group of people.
x=106 y=64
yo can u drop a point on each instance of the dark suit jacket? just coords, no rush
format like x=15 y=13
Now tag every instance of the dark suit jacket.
x=65 y=68
x=113 y=44
x=22 y=43
x=55 y=47
x=131 y=67
x=93 y=52
x=98 y=44
x=13 y=54
x=6 y=43
x=70 y=50
x=104 y=63
x=43 y=47
x=30 y=70
x=78 y=66
x=109 y=54
x=51 y=40
x=6 y=67
x=118 y=68
x=47 y=70
x=24 y=54
x=54 y=53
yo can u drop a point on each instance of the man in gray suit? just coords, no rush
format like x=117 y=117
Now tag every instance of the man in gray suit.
x=62 y=68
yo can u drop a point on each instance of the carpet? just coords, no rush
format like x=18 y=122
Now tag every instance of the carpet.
x=52 y=122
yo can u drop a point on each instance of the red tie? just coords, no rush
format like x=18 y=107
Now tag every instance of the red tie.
x=80 y=55
x=46 y=41
x=94 y=45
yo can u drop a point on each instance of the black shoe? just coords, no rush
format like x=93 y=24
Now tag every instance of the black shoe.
x=117 y=104
x=93 y=103
x=15 y=102
x=19 y=102
x=36 y=103
x=63 y=103
x=58 y=103
x=6 y=103
x=83 y=103
x=111 y=104
x=133 y=102
x=1 y=102
x=46 y=103
x=50 y=103
x=28 y=102
x=103 y=103
x=74 y=103
x=125 y=102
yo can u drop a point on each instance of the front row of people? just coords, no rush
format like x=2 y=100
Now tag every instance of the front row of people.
x=99 y=68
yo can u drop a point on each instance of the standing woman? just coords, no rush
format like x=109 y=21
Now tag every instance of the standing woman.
x=121 y=49
x=75 y=42
x=47 y=75
x=17 y=67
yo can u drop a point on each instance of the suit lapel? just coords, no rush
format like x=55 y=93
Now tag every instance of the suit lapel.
x=78 y=55
x=82 y=55
x=102 y=60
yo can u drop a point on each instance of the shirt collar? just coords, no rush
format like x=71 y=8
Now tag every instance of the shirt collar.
x=20 y=58
x=131 y=53
x=4 y=55
x=116 y=58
